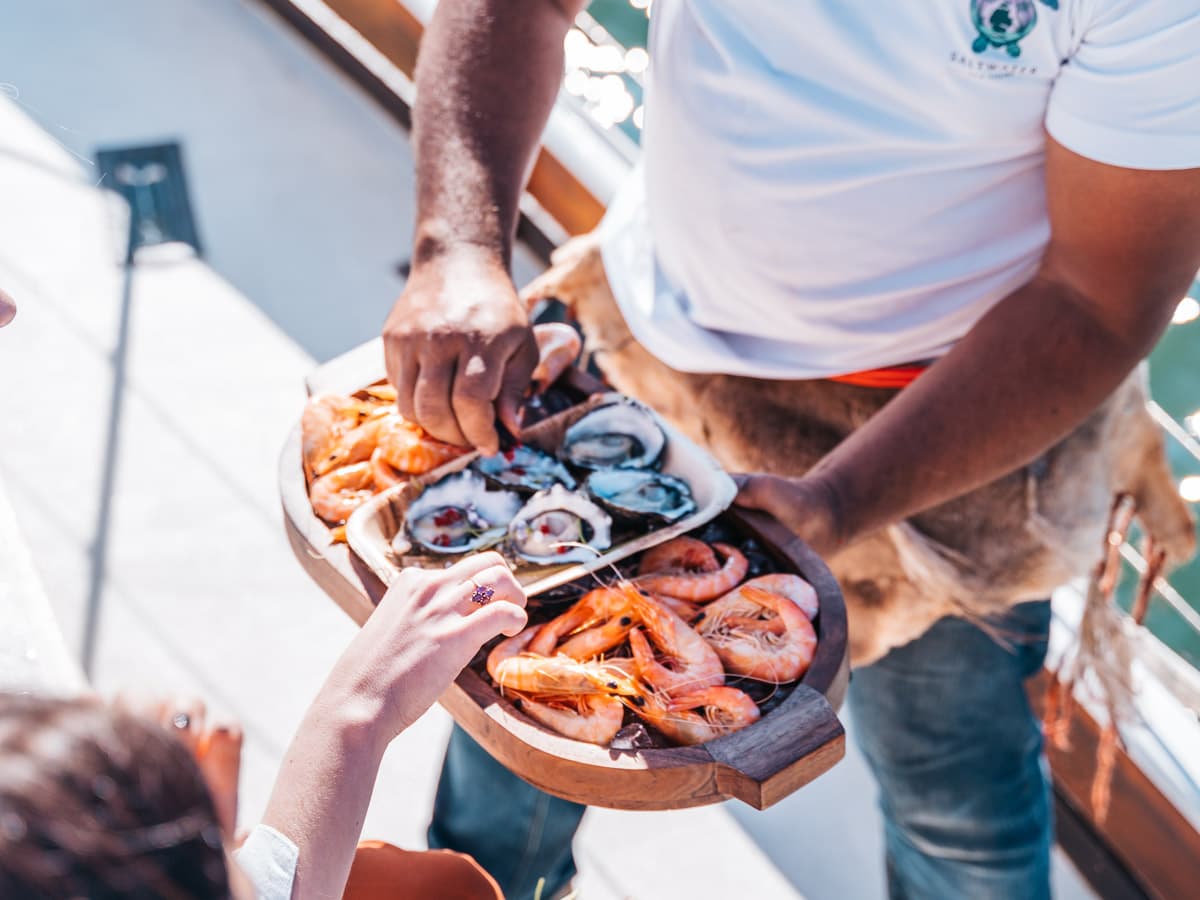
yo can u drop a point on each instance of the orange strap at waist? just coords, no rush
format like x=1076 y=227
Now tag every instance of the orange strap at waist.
x=895 y=377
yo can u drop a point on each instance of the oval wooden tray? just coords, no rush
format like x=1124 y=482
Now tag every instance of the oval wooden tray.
x=793 y=744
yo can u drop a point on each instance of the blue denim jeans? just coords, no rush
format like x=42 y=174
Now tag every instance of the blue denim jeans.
x=946 y=727
x=519 y=834
x=947 y=730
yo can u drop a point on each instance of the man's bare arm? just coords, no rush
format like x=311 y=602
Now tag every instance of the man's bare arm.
x=1124 y=247
x=458 y=344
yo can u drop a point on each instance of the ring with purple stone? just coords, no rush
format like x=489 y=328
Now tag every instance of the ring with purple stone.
x=481 y=595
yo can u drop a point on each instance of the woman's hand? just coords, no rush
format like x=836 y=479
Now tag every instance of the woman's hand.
x=214 y=742
x=425 y=630
x=8 y=309
x=806 y=505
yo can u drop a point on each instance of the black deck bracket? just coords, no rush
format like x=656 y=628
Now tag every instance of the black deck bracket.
x=151 y=178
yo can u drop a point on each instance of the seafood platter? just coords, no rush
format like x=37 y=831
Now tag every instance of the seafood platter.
x=580 y=490
x=680 y=651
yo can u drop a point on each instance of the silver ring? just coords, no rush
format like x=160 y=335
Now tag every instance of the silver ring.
x=181 y=720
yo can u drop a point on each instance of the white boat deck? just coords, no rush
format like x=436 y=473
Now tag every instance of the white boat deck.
x=303 y=195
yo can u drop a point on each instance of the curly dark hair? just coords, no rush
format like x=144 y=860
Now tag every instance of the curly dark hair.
x=99 y=803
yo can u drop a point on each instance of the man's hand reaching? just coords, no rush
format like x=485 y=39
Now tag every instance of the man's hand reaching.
x=459 y=348
x=806 y=505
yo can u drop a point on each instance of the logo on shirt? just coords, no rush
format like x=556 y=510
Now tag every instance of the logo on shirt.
x=1002 y=23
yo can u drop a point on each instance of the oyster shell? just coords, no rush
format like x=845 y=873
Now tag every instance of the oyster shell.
x=458 y=514
x=618 y=435
x=558 y=526
x=634 y=494
x=524 y=468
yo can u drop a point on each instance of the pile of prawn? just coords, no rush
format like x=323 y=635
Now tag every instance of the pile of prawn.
x=355 y=446
x=662 y=645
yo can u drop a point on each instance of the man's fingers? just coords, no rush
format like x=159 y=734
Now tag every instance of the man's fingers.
x=431 y=402
x=473 y=399
x=403 y=369
x=558 y=346
x=515 y=383
x=753 y=492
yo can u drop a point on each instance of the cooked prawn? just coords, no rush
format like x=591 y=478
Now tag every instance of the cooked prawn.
x=742 y=630
x=558 y=347
x=356 y=445
x=512 y=666
x=685 y=609
x=383 y=474
x=326 y=418
x=381 y=393
x=722 y=710
x=681 y=569
x=599 y=621
x=408 y=448
x=690 y=663
x=594 y=718
x=338 y=493
x=787 y=585
x=598 y=640
x=680 y=554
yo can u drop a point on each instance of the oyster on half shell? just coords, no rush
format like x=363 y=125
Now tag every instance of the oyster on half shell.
x=458 y=514
x=618 y=435
x=634 y=494
x=524 y=468
x=560 y=526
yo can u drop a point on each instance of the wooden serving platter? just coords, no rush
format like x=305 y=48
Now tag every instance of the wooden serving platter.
x=791 y=745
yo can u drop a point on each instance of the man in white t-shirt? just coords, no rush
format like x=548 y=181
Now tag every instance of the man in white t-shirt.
x=1001 y=194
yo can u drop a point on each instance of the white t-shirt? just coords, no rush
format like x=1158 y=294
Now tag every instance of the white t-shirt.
x=842 y=185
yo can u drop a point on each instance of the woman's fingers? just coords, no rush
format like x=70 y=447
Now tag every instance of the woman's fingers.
x=186 y=717
x=470 y=567
x=493 y=585
x=219 y=756
x=495 y=618
x=8 y=309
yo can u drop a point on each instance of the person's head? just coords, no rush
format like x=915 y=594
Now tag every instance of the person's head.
x=98 y=803
x=8 y=309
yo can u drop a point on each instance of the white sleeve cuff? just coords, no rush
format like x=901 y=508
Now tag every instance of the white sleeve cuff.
x=269 y=860
x=1119 y=147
